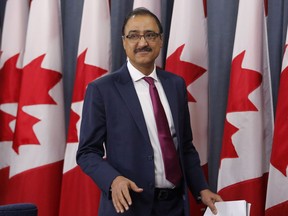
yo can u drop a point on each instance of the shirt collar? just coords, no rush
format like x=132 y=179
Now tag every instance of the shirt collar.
x=136 y=75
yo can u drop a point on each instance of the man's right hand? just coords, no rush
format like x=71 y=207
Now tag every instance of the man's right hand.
x=120 y=193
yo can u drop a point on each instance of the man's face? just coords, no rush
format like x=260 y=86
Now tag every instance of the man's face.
x=142 y=52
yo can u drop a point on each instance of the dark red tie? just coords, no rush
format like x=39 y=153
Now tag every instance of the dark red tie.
x=170 y=157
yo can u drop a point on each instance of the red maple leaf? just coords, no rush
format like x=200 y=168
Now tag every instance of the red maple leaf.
x=242 y=83
x=228 y=149
x=84 y=75
x=10 y=79
x=72 y=130
x=189 y=71
x=205 y=7
x=266 y=7
x=279 y=157
x=36 y=83
x=6 y=134
x=24 y=133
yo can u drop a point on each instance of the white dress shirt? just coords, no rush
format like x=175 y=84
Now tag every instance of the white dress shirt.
x=142 y=89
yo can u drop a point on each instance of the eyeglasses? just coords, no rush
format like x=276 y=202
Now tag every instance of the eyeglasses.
x=148 y=36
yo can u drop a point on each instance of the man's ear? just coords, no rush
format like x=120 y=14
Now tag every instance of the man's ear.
x=123 y=43
x=162 y=40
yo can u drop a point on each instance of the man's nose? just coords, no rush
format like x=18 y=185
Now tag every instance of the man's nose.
x=142 y=41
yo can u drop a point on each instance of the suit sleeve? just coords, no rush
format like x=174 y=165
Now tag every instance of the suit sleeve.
x=193 y=171
x=91 y=151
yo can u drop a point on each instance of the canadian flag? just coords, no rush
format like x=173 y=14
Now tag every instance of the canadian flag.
x=155 y=7
x=35 y=167
x=248 y=127
x=188 y=57
x=80 y=195
x=13 y=42
x=277 y=192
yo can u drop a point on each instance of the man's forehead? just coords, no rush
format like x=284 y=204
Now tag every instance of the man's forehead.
x=138 y=21
x=141 y=18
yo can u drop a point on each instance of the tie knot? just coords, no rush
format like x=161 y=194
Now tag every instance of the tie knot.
x=149 y=80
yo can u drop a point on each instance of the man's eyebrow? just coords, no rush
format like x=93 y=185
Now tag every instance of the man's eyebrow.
x=133 y=31
x=137 y=31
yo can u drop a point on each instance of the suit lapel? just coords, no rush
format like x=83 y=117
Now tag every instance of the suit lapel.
x=124 y=84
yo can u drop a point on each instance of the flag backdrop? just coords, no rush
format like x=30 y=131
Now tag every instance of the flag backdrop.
x=34 y=127
x=248 y=127
x=277 y=192
x=12 y=47
x=36 y=164
x=187 y=56
x=80 y=195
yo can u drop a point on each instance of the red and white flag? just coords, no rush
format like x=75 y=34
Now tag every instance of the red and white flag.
x=80 y=195
x=155 y=7
x=13 y=42
x=188 y=57
x=277 y=192
x=39 y=140
x=248 y=125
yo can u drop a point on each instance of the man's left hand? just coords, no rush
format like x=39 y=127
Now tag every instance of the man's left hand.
x=209 y=198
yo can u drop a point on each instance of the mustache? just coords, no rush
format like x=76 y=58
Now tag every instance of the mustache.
x=145 y=49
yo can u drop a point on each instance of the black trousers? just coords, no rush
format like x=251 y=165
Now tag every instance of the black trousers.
x=168 y=202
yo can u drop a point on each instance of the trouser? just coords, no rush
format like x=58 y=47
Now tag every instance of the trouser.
x=168 y=202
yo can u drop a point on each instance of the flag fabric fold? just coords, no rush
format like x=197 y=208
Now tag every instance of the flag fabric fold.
x=11 y=62
x=187 y=56
x=277 y=191
x=248 y=125
x=39 y=137
x=80 y=195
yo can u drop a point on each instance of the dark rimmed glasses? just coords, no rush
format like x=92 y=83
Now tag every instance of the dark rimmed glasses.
x=148 y=36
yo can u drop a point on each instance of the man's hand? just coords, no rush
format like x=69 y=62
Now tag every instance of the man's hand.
x=120 y=193
x=209 y=198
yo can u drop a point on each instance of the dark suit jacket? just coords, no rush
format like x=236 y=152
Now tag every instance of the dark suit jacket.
x=112 y=116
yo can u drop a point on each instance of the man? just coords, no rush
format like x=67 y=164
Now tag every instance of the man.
x=120 y=147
